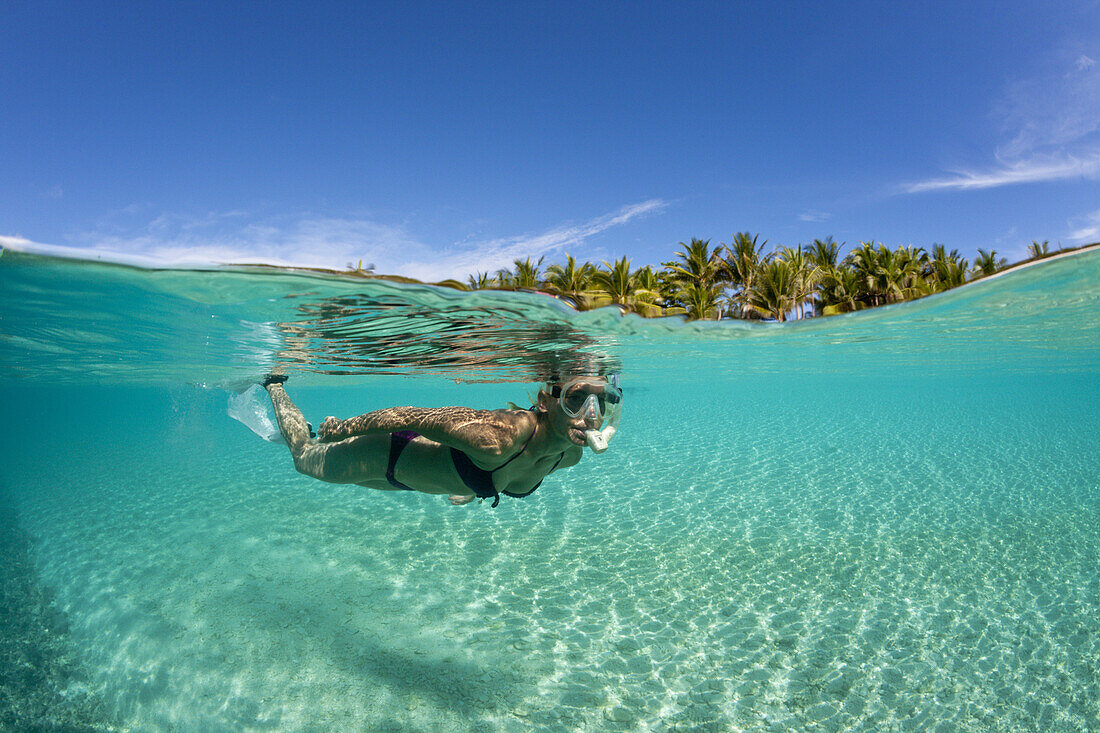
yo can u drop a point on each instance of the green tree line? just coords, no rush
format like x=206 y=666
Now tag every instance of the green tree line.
x=744 y=279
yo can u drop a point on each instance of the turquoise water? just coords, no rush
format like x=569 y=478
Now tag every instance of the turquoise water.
x=885 y=521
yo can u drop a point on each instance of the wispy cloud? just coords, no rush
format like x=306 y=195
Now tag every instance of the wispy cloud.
x=236 y=237
x=1008 y=236
x=491 y=255
x=1088 y=228
x=1051 y=128
x=814 y=216
x=1031 y=170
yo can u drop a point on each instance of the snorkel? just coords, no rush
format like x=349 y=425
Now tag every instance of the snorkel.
x=598 y=439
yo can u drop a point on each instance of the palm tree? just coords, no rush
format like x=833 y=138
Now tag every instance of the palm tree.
x=615 y=282
x=775 y=291
x=700 y=301
x=805 y=273
x=504 y=279
x=646 y=279
x=699 y=264
x=839 y=288
x=647 y=292
x=987 y=263
x=946 y=269
x=358 y=269
x=669 y=289
x=866 y=263
x=901 y=271
x=527 y=274
x=570 y=280
x=479 y=281
x=884 y=275
x=1039 y=249
x=952 y=274
x=823 y=252
x=741 y=263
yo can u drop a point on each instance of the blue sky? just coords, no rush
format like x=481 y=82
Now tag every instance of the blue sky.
x=438 y=139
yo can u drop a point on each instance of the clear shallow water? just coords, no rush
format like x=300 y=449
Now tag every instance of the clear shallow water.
x=889 y=521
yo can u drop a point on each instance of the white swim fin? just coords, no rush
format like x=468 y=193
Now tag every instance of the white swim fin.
x=251 y=407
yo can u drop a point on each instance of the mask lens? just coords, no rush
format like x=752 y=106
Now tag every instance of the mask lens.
x=574 y=400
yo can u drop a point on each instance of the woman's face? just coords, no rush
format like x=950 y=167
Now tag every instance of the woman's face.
x=573 y=428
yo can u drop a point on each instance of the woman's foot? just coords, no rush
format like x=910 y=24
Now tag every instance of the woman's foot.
x=274 y=379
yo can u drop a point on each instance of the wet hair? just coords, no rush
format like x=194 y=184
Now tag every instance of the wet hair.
x=558 y=367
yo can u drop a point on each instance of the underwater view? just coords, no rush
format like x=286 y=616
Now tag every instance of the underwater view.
x=884 y=520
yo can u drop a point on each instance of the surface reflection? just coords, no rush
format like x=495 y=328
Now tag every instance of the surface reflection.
x=358 y=334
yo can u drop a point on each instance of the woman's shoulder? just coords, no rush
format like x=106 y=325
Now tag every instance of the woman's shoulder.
x=499 y=432
x=521 y=423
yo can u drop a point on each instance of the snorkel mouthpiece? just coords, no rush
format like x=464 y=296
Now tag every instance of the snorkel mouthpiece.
x=598 y=439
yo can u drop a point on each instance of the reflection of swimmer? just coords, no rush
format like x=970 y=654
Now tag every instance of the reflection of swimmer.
x=459 y=451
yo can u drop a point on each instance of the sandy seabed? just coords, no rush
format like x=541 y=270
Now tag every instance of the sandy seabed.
x=856 y=573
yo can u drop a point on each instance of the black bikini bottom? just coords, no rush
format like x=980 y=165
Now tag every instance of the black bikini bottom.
x=477 y=479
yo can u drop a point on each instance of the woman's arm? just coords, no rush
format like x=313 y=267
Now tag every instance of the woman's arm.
x=483 y=434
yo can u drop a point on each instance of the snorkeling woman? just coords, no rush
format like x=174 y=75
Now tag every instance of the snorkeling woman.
x=462 y=452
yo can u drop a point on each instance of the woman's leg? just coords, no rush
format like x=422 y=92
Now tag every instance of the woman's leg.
x=292 y=424
x=354 y=460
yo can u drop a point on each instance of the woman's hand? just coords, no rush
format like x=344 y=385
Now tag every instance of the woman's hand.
x=330 y=430
x=460 y=499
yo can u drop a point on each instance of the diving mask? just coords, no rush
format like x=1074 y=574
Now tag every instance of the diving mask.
x=598 y=402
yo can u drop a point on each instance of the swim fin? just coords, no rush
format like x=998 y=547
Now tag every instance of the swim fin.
x=251 y=408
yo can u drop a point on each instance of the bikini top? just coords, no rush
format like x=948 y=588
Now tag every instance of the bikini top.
x=480 y=481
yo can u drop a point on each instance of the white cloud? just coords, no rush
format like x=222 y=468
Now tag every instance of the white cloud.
x=494 y=254
x=1088 y=228
x=14 y=242
x=1031 y=170
x=330 y=242
x=1051 y=128
x=233 y=238
x=814 y=216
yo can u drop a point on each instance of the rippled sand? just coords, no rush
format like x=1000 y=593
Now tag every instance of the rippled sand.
x=794 y=555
